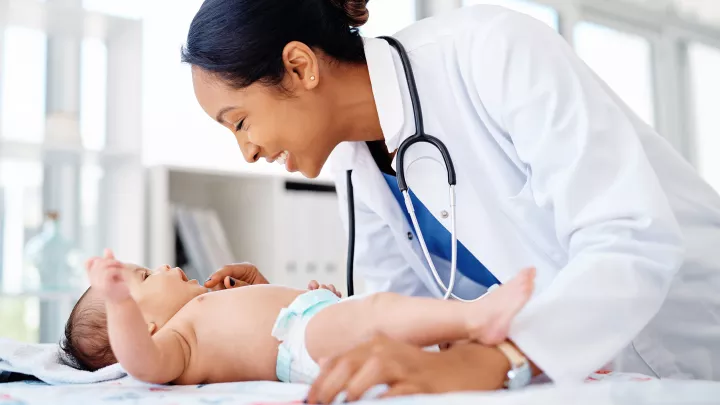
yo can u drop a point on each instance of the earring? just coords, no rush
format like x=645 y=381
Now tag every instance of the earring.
x=312 y=78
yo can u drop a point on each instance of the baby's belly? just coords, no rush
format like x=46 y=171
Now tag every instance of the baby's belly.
x=233 y=331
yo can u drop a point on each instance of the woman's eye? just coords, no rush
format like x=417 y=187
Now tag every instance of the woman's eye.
x=146 y=275
x=240 y=126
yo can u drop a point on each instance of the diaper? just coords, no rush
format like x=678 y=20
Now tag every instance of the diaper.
x=294 y=363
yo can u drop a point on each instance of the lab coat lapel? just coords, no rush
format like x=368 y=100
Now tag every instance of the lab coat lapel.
x=371 y=185
x=482 y=226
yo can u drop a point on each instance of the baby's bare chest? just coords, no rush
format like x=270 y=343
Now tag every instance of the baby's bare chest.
x=232 y=333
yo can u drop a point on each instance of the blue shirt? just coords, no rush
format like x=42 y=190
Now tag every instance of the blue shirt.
x=439 y=240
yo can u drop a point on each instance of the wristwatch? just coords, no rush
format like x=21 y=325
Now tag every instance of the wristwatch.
x=520 y=373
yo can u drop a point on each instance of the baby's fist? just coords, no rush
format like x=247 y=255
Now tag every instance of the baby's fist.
x=106 y=275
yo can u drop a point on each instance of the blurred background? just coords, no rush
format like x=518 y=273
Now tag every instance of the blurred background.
x=102 y=143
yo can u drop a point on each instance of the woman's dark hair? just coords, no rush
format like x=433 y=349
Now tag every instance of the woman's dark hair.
x=242 y=40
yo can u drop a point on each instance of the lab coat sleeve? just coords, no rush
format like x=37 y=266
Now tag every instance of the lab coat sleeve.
x=378 y=262
x=585 y=164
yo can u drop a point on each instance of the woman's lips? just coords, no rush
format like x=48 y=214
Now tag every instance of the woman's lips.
x=283 y=157
x=273 y=158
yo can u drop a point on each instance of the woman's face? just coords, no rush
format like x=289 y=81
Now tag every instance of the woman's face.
x=268 y=121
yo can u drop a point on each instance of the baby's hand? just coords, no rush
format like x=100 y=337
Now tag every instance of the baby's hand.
x=106 y=275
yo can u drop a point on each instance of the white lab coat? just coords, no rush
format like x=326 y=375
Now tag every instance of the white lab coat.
x=553 y=171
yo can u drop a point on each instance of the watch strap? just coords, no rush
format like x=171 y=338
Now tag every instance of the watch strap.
x=520 y=373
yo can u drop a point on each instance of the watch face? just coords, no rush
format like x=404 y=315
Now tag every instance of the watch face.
x=519 y=377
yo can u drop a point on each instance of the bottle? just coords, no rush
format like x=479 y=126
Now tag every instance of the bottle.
x=53 y=262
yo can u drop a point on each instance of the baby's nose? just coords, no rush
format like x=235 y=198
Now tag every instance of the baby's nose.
x=164 y=267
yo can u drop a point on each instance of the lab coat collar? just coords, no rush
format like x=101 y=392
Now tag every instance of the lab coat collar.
x=390 y=90
x=392 y=101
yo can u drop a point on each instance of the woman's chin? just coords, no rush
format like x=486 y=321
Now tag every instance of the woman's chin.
x=310 y=173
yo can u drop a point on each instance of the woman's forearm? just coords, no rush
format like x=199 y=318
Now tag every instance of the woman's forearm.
x=489 y=364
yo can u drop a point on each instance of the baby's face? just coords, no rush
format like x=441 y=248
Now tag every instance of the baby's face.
x=161 y=293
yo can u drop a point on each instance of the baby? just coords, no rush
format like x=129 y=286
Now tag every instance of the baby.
x=163 y=328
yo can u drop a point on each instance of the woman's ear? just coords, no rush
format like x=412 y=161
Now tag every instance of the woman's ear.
x=152 y=328
x=301 y=66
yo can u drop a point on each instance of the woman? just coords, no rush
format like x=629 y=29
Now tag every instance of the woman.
x=553 y=171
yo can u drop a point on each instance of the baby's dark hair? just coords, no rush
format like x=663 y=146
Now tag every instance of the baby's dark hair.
x=86 y=345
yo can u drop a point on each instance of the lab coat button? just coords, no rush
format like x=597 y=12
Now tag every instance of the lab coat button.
x=410 y=237
x=444 y=214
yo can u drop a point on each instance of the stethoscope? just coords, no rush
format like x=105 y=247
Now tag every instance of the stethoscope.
x=419 y=137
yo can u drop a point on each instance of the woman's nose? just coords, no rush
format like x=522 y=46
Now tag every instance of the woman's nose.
x=250 y=152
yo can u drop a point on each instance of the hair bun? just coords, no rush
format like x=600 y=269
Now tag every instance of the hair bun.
x=355 y=11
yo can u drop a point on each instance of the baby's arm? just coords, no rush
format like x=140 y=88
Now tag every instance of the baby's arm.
x=159 y=359
x=155 y=360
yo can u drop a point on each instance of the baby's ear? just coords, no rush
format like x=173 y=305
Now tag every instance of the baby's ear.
x=152 y=328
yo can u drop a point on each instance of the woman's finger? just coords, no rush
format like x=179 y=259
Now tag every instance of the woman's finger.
x=231 y=282
x=334 y=383
x=375 y=371
x=217 y=278
x=401 y=390
x=108 y=254
x=220 y=276
x=327 y=365
x=244 y=272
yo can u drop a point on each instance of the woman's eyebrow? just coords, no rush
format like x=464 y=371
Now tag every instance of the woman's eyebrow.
x=222 y=112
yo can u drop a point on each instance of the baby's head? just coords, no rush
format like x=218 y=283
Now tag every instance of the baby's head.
x=160 y=294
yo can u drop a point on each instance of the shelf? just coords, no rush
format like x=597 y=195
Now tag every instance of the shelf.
x=292 y=235
x=246 y=171
x=10 y=149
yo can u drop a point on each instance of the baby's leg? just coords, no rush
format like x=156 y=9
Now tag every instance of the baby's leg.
x=419 y=321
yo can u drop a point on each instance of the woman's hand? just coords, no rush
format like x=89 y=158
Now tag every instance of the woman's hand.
x=314 y=285
x=235 y=275
x=409 y=370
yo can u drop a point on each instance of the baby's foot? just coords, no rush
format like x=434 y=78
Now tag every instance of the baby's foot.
x=489 y=318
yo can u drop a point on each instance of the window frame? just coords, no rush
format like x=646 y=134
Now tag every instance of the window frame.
x=669 y=35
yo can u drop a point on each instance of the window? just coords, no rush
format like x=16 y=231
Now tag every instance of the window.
x=125 y=8
x=21 y=216
x=93 y=93
x=388 y=17
x=22 y=91
x=623 y=61
x=705 y=86
x=544 y=13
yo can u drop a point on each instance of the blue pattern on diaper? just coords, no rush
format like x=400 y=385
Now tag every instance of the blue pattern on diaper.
x=304 y=306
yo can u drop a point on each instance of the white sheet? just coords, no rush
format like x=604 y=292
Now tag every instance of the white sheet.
x=43 y=361
x=128 y=391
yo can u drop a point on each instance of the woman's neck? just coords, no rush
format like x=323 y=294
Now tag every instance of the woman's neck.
x=355 y=110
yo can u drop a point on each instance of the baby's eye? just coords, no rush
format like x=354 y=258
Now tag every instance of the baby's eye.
x=146 y=274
